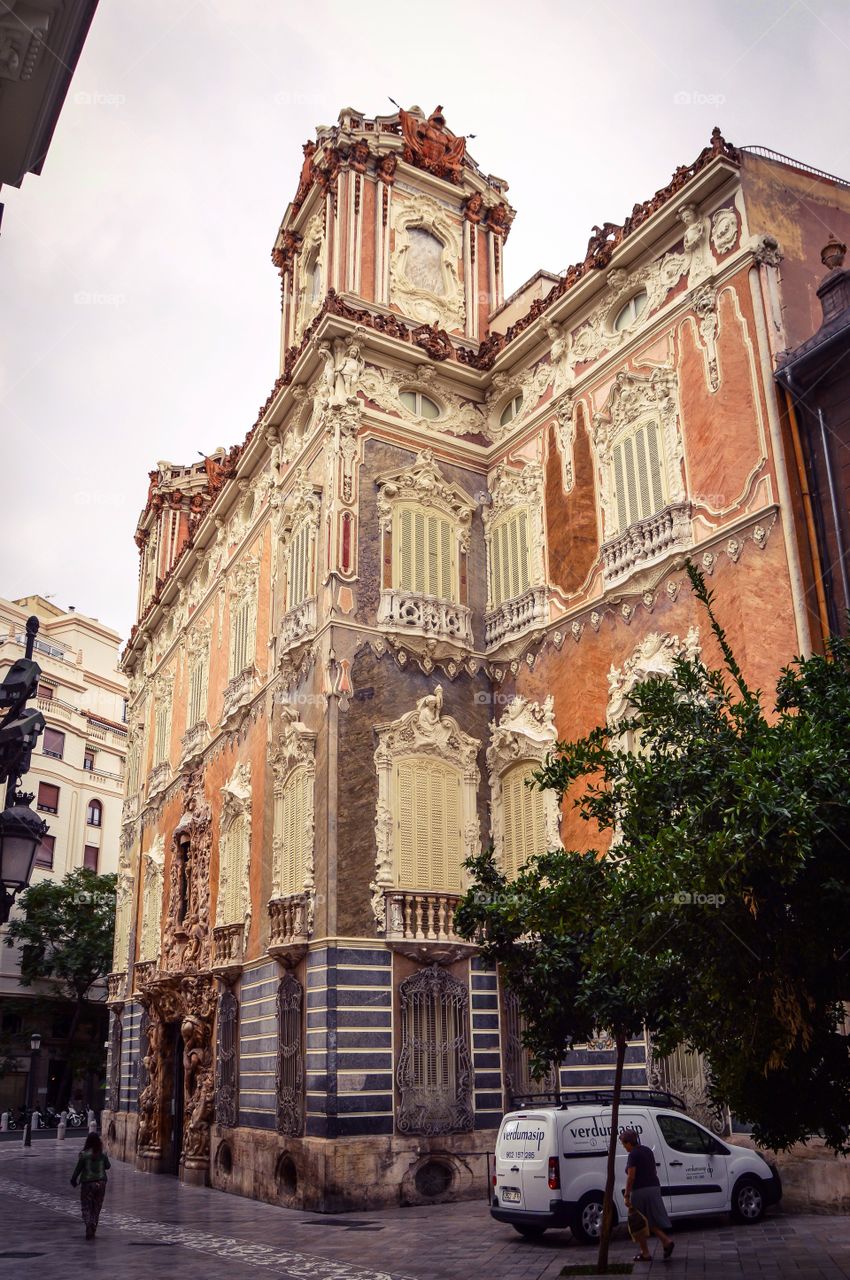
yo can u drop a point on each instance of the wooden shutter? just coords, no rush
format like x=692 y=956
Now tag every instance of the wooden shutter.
x=645 y=508
x=428 y=835
x=523 y=819
x=294 y=835
x=620 y=485
x=235 y=857
x=510 y=567
x=523 y=551
x=425 y=557
x=655 y=467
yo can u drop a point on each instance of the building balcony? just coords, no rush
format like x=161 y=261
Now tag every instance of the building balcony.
x=426 y=616
x=59 y=710
x=645 y=543
x=130 y=809
x=514 y=617
x=228 y=949
x=421 y=925
x=116 y=986
x=290 y=926
x=237 y=694
x=144 y=973
x=158 y=779
x=194 y=742
x=298 y=623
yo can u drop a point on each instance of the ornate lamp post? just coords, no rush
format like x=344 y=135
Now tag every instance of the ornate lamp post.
x=35 y=1049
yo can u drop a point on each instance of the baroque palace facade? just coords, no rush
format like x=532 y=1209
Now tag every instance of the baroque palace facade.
x=455 y=532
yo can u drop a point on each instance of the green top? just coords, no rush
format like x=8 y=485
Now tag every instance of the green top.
x=90 y=1168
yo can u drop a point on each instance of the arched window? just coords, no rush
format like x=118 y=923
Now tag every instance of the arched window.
x=94 y=813
x=631 y=311
x=524 y=817
x=638 y=474
x=419 y=404
x=510 y=410
x=429 y=848
x=435 y=1068
x=293 y=830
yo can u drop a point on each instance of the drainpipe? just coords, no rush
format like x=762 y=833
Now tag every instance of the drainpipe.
x=786 y=512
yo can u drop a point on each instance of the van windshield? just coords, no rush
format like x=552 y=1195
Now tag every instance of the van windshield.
x=524 y=1138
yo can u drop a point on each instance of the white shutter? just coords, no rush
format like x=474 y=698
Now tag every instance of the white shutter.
x=428 y=834
x=291 y=827
x=655 y=467
x=523 y=819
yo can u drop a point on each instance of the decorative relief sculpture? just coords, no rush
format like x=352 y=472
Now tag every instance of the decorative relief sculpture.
x=565 y=432
x=341 y=376
x=654 y=656
x=424 y=263
x=226 y=1060
x=430 y=145
x=290 y=1058
x=530 y=384
x=724 y=231
x=457 y=417
x=705 y=306
x=236 y=805
x=526 y=731
x=186 y=941
x=312 y=273
x=422 y=731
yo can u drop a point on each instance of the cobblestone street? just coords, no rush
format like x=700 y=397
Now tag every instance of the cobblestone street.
x=216 y=1236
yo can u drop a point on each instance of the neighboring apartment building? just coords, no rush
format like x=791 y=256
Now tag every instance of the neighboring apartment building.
x=455 y=532
x=77 y=777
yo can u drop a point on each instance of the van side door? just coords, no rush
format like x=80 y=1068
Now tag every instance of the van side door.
x=697 y=1177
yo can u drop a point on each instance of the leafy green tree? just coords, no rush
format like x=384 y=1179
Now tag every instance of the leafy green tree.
x=65 y=934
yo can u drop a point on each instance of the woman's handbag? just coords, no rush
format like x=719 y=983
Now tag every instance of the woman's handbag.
x=638 y=1223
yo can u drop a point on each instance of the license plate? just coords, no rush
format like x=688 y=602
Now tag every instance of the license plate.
x=510 y=1193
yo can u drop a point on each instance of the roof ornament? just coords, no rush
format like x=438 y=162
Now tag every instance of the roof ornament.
x=430 y=145
x=832 y=253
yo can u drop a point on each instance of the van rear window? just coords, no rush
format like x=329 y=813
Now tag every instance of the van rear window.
x=524 y=1138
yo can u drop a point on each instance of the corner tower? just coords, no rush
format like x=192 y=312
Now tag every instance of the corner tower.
x=394 y=213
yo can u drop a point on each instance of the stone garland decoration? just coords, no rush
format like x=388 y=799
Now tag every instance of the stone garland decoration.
x=458 y=417
x=422 y=1111
x=422 y=731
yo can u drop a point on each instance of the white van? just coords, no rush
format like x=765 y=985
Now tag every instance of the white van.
x=551 y=1164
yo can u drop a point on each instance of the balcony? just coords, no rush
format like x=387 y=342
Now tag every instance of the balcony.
x=144 y=973
x=228 y=949
x=421 y=925
x=237 y=695
x=194 y=742
x=646 y=542
x=116 y=985
x=158 y=779
x=290 y=926
x=298 y=623
x=425 y=616
x=514 y=617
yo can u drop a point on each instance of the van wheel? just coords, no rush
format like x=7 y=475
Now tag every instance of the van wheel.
x=530 y=1233
x=748 y=1200
x=587 y=1225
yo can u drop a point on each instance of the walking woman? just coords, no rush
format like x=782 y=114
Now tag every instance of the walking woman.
x=643 y=1192
x=91 y=1175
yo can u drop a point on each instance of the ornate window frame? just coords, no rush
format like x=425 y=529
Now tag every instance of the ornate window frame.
x=424 y=1111
x=197 y=658
x=445 y=309
x=511 y=493
x=235 y=810
x=295 y=750
x=289 y=1076
x=424 y=731
x=298 y=512
x=227 y=1060
x=525 y=734
x=242 y=589
x=312 y=253
x=634 y=401
x=124 y=903
x=422 y=486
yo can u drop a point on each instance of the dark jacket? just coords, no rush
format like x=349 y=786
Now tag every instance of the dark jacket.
x=90 y=1168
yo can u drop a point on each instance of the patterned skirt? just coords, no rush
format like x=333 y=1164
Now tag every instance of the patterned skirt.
x=91 y=1200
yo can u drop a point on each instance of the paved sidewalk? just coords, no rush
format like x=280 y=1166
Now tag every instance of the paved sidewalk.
x=152 y=1223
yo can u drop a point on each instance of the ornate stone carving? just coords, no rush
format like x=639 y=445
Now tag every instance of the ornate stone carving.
x=705 y=307
x=226 y=1060
x=290 y=1059
x=422 y=731
x=295 y=748
x=424 y=483
x=526 y=731
x=311 y=259
x=724 y=231
x=531 y=384
x=23 y=30
x=342 y=371
x=511 y=492
x=433 y=295
x=186 y=937
x=457 y=416
x=654 y=656
x=430 y=145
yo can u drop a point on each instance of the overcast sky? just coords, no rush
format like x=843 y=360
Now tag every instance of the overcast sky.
x=139 y=312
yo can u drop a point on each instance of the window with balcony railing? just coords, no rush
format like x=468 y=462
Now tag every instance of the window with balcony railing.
x=425 y=559
x=292 y=830
x=637 y=464
x=510 y=560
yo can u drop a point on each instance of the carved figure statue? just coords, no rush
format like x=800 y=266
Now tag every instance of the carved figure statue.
x=343 y=366
x=430 y=145
x=695 y=244
x=305 y=181
x=201 y=1113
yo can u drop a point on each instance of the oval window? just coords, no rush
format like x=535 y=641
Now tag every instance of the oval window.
x=631 y=311
x=510 y=410
x=416 y=403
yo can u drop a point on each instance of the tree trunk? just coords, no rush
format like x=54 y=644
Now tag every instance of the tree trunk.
x=608 y=1204
x=64 y=1091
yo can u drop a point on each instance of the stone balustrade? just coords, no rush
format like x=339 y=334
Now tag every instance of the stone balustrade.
x=425 y=616
x=290 y=924
x=514 y=617
x=159 y=778
x=228 y=947
x=144 y=972
x=116 y=985
x=646 y=542
x=237 y=694
x=298 y=622
x=194 y=741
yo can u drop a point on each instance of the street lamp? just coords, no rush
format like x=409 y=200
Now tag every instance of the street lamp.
x=35 y=1049
x=21 y=832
